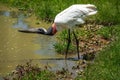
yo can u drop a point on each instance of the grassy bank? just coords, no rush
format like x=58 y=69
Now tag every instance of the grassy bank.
x=107 y=63
x=30 y=72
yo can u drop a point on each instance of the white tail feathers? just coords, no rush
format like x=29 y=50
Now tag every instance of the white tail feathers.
x=92 y=9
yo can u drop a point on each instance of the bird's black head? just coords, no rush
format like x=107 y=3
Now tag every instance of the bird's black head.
x=41 y=30
x=46 y=32
x=50 y=31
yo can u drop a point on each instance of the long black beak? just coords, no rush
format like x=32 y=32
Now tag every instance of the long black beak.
x=38 y=31
x=32 y=30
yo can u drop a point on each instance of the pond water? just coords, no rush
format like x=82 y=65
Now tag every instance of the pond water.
x=18 y=48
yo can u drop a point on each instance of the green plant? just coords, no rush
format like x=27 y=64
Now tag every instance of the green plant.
x=105 y=32
x=30 y=72
x=61 y=44
x=108 y=11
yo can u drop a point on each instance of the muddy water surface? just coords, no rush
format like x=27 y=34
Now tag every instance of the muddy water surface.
x=18 y=48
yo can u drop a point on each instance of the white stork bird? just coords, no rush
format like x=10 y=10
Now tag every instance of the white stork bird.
x=67 y=19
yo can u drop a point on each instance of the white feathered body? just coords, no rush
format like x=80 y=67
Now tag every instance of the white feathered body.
x=74 y=15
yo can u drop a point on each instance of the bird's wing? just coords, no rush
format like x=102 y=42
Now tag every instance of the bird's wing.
x=88 y=9
x=75 y=14
x=70 y=14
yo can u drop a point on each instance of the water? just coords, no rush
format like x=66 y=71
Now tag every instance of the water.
x=18 y=48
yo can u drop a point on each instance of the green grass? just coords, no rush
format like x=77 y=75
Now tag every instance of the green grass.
x=106 y=32
x=108 y=10
x=61 y=44
x=42 y=75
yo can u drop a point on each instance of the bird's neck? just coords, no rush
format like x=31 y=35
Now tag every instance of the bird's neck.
x=54 y=30
x=51 y=30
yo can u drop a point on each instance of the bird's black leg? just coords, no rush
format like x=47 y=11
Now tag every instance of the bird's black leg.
x=77 y=43
x=68 y=44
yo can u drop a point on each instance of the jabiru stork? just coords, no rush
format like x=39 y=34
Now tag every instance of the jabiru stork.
x=67 y=19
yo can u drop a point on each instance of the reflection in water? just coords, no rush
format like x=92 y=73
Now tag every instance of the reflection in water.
x=17 y=48
x=20 y=18
x=20 y=23
x=46 y=46
x=5 y=13
x=9 y=14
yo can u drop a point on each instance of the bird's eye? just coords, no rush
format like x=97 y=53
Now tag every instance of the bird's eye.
x=40 y=29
